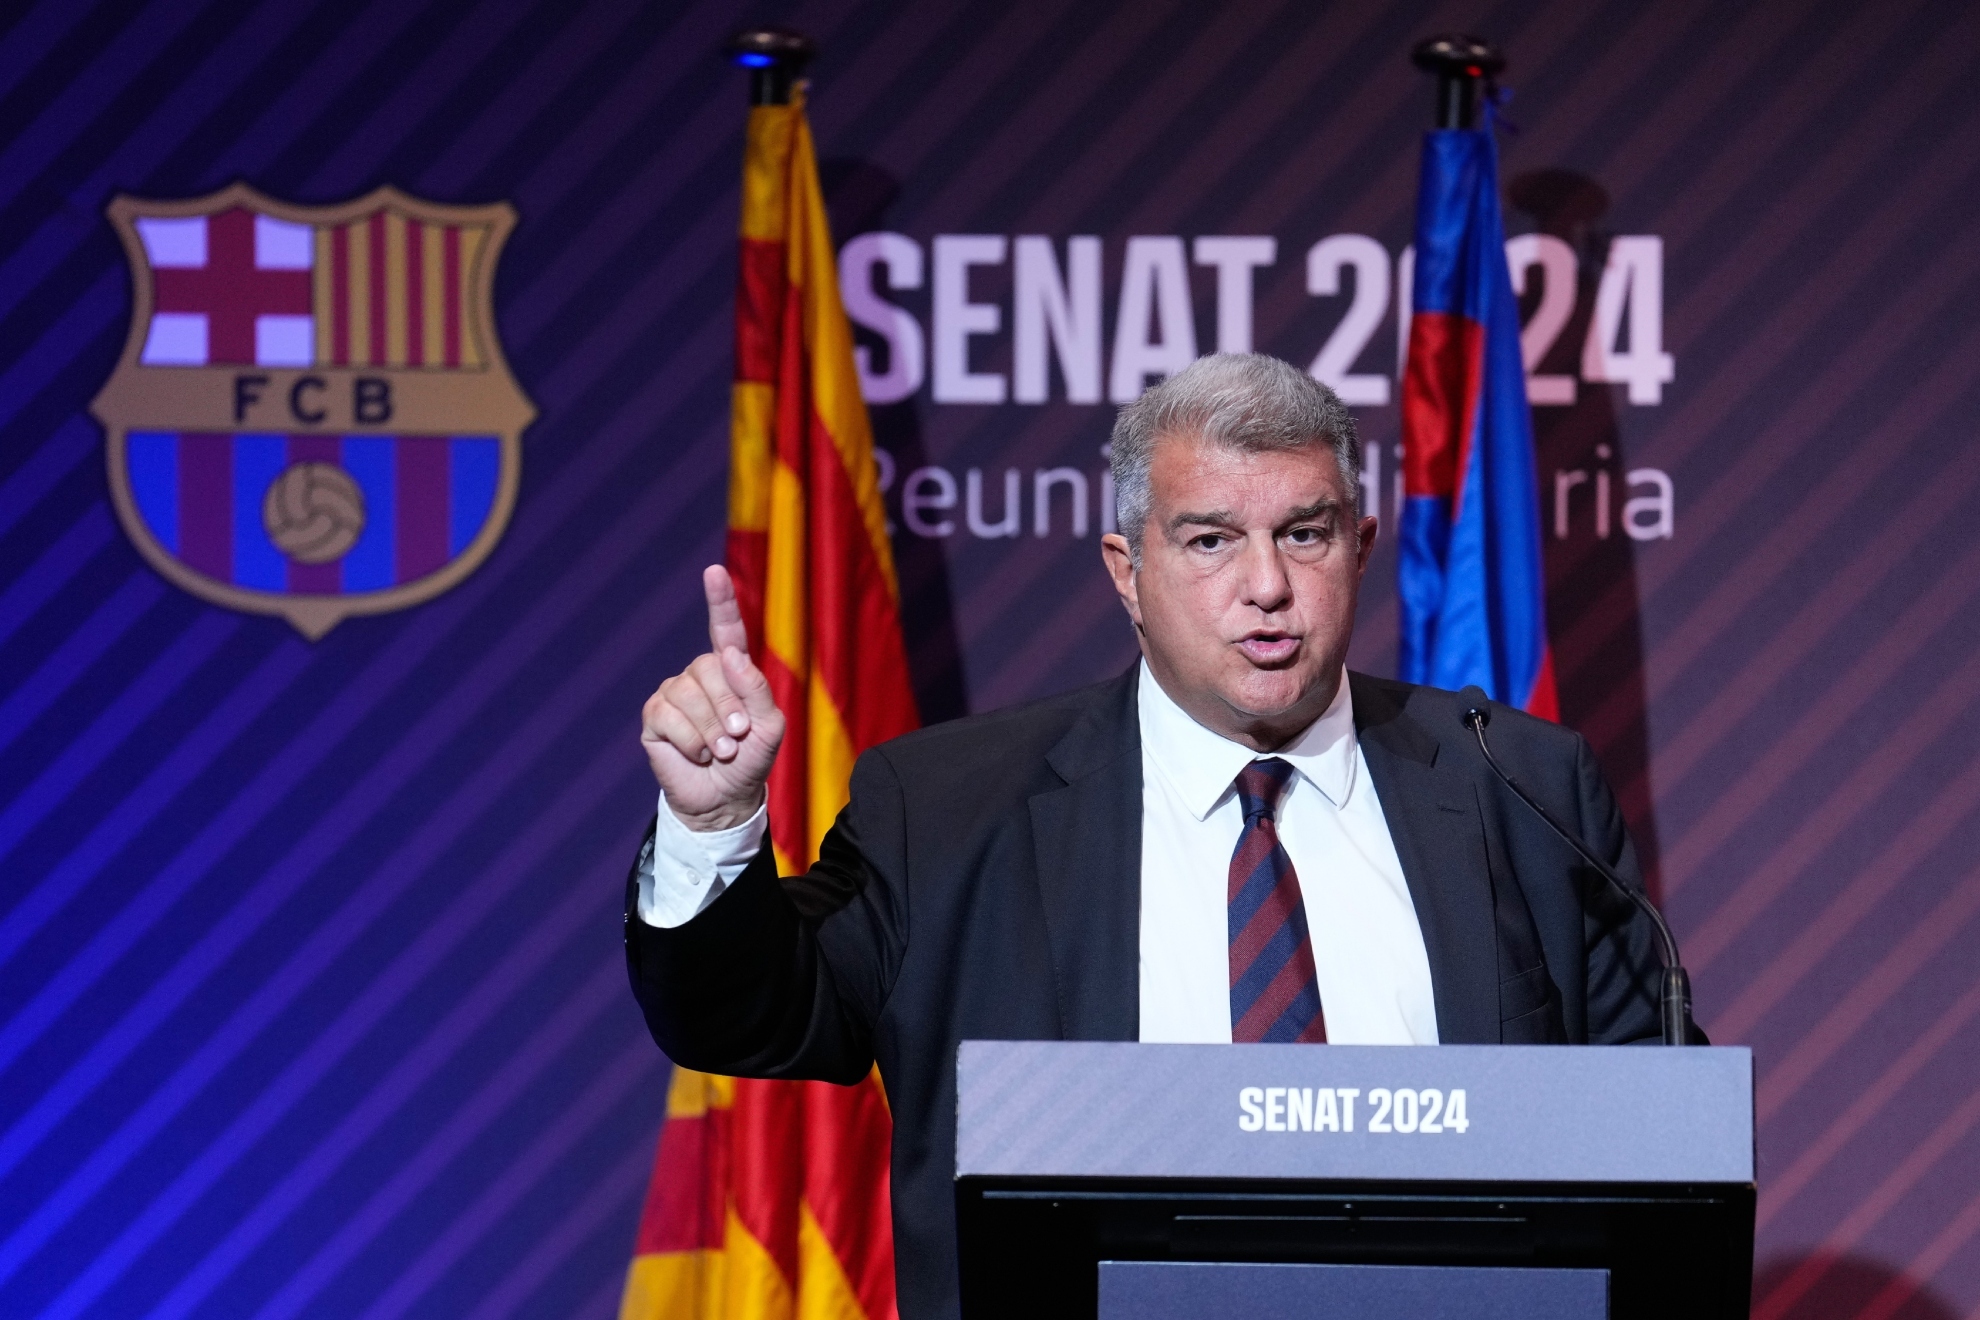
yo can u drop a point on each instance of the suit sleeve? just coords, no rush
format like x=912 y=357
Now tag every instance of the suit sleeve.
x=1624 y=967
x=785 y=977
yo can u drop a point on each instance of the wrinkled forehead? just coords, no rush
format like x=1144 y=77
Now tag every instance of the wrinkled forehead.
x=1190 y=467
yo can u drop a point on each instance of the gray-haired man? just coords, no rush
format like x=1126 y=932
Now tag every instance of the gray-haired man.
x=1235 y=840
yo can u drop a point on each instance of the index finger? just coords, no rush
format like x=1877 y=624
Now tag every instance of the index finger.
x=725 y=621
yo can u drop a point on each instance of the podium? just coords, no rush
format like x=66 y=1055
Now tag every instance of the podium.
x=1178 y=1182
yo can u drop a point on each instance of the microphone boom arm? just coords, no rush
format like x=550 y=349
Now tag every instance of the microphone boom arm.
x=1676 y=992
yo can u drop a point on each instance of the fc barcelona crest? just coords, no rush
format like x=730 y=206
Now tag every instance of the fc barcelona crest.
x=312 y=416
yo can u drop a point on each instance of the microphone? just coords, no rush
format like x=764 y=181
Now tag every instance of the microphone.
x=1676 y=994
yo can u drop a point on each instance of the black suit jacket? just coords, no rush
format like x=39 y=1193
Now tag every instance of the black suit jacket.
x=985 y=883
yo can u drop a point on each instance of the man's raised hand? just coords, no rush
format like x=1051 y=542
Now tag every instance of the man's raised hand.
x=712 y=730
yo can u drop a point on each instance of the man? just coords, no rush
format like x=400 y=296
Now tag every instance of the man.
x=1236 y=839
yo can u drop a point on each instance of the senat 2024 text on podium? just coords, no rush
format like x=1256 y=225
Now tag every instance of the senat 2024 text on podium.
x=1532 y=1181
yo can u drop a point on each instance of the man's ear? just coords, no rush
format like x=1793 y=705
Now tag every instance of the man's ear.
x=1366 y=532
x=1119 y=559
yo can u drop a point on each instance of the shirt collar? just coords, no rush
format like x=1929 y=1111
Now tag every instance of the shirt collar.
x=1200 y=765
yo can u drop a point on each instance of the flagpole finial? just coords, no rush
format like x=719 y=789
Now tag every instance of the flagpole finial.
x=775 y=58
x=1460 y=63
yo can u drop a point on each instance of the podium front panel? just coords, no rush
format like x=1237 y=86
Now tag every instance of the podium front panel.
x=1479 y=1113
x=1544 y=1168
x=1191 y=1290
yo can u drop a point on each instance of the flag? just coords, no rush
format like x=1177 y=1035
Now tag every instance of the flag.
x=1470 y=578
x=769 y=1199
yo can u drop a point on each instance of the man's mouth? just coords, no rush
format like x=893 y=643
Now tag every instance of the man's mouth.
x=1269 y=648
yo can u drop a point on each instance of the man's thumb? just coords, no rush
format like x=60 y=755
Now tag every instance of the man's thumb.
x=748 y=682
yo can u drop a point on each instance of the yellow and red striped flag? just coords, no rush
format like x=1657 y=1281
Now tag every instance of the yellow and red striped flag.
x=769 y=1200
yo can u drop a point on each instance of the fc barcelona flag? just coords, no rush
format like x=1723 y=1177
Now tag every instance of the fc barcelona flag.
x=769 y=1200
x=1470 y=578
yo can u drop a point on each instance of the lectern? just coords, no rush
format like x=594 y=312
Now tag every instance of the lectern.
x=1182 y=1182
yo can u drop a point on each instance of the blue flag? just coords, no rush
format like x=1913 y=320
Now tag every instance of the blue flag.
x=1470 y=580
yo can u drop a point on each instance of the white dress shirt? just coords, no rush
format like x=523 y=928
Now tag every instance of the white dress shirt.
x=682 y=871
x=1367 y=948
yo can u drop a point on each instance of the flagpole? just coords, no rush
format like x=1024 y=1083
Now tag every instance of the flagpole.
x=776 y=59
x=1461 y=63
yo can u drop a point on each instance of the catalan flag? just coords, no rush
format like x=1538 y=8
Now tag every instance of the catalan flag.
x=769 y=1200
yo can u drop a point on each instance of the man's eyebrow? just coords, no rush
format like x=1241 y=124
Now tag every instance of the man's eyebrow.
x=1313 y=510
x=1213 y=518
x=1226 y=518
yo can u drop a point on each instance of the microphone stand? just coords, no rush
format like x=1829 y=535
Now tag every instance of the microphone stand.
x=1676 y=990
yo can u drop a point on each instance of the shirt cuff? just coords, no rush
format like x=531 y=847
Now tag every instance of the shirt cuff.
x=682 y=871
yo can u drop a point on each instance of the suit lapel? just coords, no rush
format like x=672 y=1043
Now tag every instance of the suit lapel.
x=1432 y=813
x=1088 y=840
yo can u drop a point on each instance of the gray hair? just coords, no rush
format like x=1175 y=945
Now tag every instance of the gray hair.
x=1243 y=401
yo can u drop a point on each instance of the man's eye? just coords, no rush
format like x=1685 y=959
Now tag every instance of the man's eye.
x=1306 y=535
x=1207 y=541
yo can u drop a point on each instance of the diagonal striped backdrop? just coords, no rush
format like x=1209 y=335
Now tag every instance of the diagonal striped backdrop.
x=310 y=995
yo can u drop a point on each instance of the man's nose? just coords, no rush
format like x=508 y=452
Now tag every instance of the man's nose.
x=1267 y=585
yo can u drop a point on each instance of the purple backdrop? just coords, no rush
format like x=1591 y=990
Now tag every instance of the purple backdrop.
x=310 y=991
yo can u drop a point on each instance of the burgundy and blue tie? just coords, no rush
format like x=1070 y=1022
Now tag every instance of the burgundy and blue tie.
x=1274 y=992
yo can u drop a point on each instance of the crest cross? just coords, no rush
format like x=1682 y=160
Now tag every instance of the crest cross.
x=231 y=291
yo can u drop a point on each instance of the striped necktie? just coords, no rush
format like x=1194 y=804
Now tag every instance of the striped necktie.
x=1274 y=993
